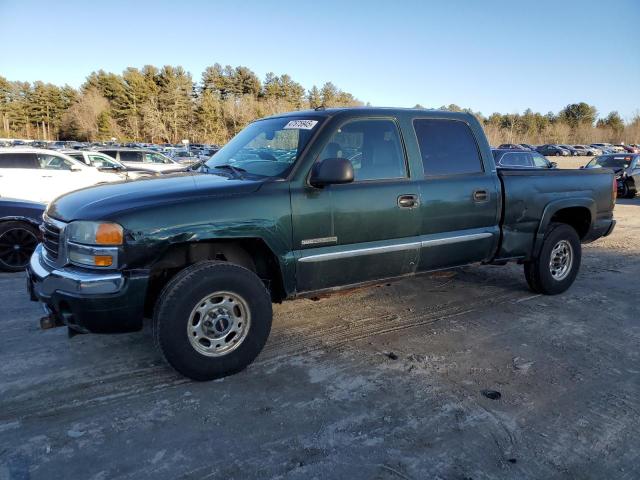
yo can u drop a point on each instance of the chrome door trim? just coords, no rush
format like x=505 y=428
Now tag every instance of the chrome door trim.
x=395 y=248
x=457 y=239
x=359 y=252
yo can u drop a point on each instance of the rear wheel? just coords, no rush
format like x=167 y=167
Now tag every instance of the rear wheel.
x=212 y=319
x=18 y=240
x=556 y=268
x=558 y=154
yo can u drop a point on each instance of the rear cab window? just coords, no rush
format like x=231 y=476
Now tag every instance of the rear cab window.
x=447 y=147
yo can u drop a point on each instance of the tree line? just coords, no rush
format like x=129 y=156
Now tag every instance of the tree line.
x=166 y=105
x=577 y=123
x=156 y=104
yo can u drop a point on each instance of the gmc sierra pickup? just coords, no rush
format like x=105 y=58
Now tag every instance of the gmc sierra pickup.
x=297 y=204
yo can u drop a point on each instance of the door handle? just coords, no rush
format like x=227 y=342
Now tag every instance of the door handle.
x=480 y=196
x=408 y=201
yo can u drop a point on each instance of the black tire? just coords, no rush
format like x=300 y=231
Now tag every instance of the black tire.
x=538 y=272
x=624 y=192
x=629 y=190
x=558 y=154
x=18 y=240
x=183 y=293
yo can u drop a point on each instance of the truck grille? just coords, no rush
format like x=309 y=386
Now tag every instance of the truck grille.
x=51 y=239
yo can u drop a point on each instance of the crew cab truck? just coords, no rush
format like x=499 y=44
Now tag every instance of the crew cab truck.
x=297 y=204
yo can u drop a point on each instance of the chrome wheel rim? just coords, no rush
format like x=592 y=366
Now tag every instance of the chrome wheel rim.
x=219 y=324
x=16 y=247
x=561 y=260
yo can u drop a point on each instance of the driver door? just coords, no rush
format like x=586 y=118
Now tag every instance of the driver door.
x=360 y=231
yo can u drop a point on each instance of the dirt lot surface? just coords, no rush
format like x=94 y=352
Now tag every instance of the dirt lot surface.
x=383 y=383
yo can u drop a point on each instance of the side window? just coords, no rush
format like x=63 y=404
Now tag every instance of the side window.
x=372 y=146
x=540 y=161
x=512 y=159
x=77 y=156
x=19 y=160
x=447 y=147
x=128 y=156
x=53 y=162
x=154 y=158
x=99 y=161
x=111 y=153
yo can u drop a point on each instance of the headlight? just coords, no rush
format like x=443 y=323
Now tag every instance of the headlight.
x=94 y=244
x=95 y=233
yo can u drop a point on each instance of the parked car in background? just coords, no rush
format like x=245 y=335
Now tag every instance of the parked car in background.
x=508 y=158
x=529 y=147
x=626 y=169
x=553 y=150
x=512 y=146
x=105 y=163
x=184 y=156
x=588 y=150
x=57 y=145
x=19 y=232
x=573 y=151
x=41 y=175
x=630 y=148
x=140 y=157
x=604 y=147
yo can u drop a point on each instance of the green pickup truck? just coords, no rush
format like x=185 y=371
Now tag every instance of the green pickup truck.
x=298 y=204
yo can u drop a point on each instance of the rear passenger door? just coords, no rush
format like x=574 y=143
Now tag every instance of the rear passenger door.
x=460 y=197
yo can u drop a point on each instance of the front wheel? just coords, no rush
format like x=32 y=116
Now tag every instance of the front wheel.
x=212 y=320
x=556 y=268
x=558 y=154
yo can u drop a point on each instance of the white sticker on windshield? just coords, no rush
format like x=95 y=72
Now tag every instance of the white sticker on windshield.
x=301 y=124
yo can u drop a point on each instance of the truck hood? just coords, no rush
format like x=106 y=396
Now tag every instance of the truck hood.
x=104 y=201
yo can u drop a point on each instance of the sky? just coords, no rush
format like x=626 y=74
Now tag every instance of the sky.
x=491 y=55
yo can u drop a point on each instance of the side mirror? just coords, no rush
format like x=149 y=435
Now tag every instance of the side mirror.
x=75 y=168
x=554 y=165
x=331 y=171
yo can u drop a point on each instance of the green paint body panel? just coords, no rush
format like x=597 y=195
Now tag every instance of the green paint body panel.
x=366 y=236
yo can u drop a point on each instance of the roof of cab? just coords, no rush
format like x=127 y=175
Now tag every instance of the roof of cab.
x=381 y=111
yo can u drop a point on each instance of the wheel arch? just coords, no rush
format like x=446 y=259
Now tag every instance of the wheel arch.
x=252 y=253
x=20 y=218
x=579 y=213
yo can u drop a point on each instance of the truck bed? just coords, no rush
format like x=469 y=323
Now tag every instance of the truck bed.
x=531 y=198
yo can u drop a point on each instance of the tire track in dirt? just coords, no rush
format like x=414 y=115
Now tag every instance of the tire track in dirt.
x=313 y=336
x=116 y=386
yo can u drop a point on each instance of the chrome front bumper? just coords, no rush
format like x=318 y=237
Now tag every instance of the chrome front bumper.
x=46 y=280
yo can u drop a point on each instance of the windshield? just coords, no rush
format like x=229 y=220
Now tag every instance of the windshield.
x=267 y=148
x=610 y=162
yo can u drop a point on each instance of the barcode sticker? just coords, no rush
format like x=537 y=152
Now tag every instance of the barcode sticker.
x=301 y=124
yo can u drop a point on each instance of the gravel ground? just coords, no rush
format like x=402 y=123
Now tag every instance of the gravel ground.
x=381 y=383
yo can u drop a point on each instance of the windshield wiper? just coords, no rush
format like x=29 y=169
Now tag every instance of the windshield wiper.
x=237 y=171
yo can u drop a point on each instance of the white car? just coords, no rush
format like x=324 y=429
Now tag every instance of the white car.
x=138 y=157
x=41 y=175
x=105 y=163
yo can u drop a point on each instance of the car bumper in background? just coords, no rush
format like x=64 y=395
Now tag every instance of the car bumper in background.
x=99 y=302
